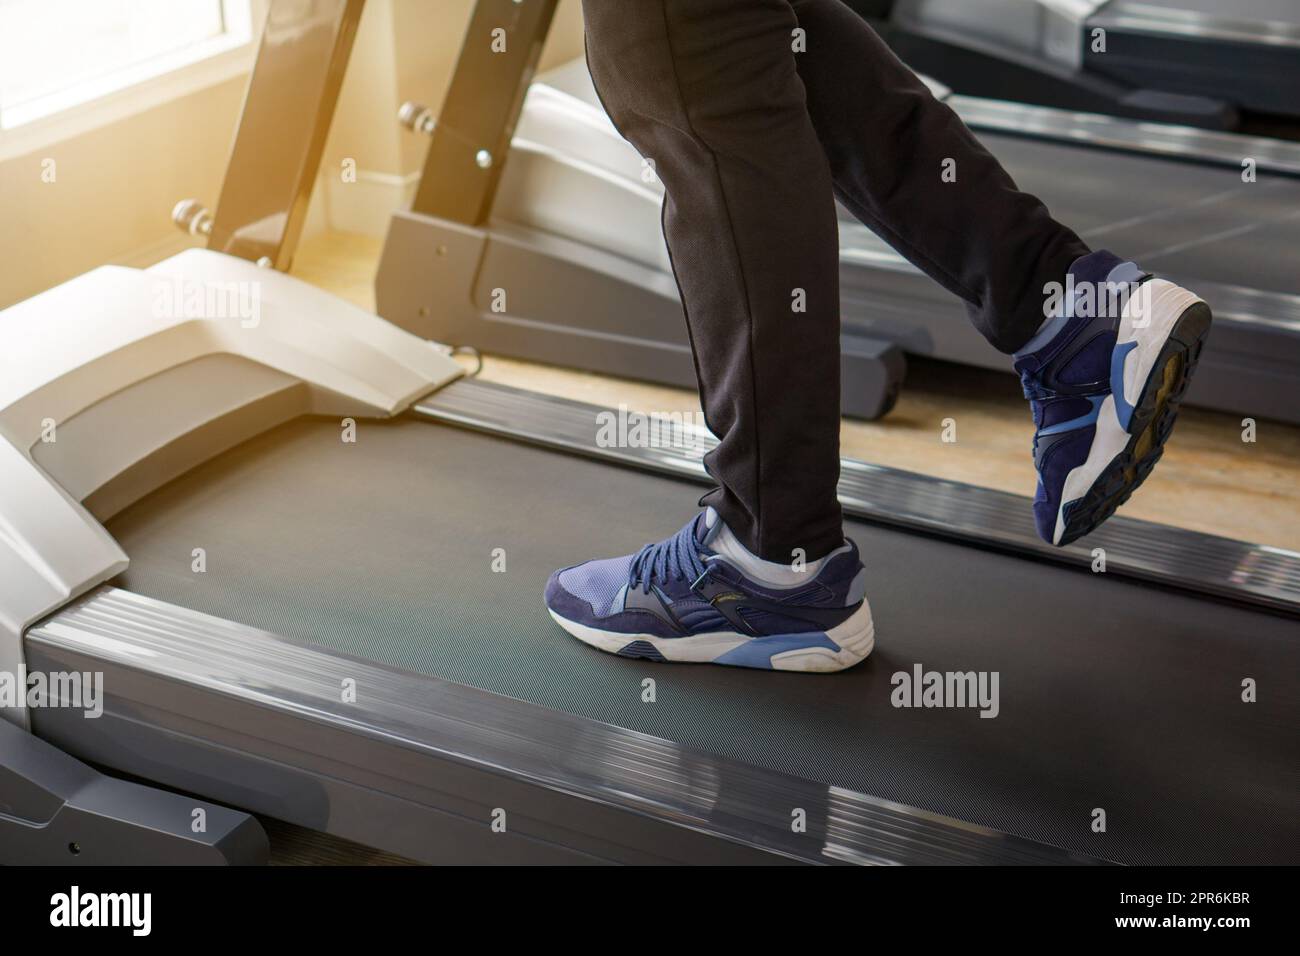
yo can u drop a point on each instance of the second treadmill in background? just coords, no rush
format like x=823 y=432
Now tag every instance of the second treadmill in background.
x=536 y=235
x=1197 y=62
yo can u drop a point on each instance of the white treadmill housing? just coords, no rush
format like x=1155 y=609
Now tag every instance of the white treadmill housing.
x=120 y=380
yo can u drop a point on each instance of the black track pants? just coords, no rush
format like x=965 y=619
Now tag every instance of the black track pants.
x=757 y=114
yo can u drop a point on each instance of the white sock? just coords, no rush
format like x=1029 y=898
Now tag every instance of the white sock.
x=772 y=573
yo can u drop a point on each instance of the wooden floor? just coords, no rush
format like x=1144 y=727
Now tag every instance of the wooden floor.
x=295 y=846
x=1209 y=480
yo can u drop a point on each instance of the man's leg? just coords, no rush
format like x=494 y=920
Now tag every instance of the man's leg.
x=708 y=91
x=1104 y=384
x=889 y=143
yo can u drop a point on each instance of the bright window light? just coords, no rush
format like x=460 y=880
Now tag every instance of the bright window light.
x=56 y=54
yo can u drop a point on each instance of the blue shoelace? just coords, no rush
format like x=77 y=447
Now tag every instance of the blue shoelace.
x=674 y=558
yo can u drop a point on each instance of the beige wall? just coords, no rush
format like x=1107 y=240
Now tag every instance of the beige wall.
x=115 y=186
x=113 y=190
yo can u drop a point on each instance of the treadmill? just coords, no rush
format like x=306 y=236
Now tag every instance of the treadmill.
x=1194 y=62
x=569 y=227
x=306 y=552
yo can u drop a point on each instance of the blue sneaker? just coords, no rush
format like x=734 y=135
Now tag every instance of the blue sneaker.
x=680 y=601
x=1105 y=380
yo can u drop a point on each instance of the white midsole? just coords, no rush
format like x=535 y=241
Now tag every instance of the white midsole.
x=1168 y=303
x=855 y=638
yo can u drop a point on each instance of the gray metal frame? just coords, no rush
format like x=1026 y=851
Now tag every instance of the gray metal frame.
x=1048 y=28
x=1245 y=52
x=1142 y=16
x=58 y=810
x=571 y=301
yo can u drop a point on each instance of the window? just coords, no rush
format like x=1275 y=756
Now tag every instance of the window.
x=57 y=54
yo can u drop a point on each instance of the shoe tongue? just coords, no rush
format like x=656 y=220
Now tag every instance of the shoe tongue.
x=1095 y=267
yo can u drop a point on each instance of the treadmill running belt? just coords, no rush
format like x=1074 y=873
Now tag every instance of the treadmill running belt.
x=1190 y=221
x=1112 y=695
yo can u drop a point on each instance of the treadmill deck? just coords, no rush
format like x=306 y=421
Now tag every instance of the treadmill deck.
x=1196 y=223
x=383 y=550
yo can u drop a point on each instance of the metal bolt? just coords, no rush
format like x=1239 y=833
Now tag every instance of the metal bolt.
x=417 y=117
x=193 y=217
x=483 y=158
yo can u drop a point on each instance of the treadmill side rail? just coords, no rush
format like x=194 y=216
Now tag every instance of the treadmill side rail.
x=51 y=549
x=417 y=765
x=1119 y=134
x=1052 y=29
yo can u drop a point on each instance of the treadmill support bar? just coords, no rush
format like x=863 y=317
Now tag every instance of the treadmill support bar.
x=469 y=143
x=59 y=811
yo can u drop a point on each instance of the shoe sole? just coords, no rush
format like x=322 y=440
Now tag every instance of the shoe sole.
x=820 y=652
x=1122 y=457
